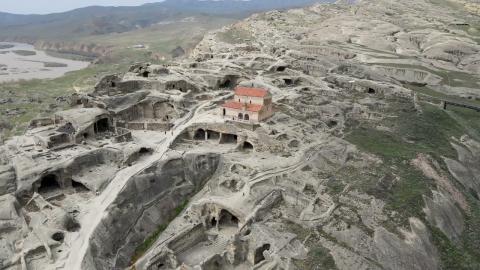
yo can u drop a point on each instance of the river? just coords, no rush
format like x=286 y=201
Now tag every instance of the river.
x=22 y=61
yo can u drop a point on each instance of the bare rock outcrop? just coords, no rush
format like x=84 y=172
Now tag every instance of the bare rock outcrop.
x=7 y=180
x=149 y=200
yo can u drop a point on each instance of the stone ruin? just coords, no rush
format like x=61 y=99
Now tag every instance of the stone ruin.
x=63 y=164
x=144 y=172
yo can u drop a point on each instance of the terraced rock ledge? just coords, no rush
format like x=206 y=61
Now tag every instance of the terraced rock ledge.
x=361 y=167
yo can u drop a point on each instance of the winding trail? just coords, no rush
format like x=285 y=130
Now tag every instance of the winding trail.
x=309 y=153
x=98 y=208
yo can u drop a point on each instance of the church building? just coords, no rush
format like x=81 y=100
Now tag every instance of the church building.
x=251 y=105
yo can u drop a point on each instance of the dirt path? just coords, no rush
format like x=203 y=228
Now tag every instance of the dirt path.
x=309 y=153
x=99 y=206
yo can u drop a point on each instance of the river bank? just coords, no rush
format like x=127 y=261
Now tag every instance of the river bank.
x=20 y=61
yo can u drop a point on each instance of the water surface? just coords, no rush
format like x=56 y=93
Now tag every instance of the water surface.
x=23 y=61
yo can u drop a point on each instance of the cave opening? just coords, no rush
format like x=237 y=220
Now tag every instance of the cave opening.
x=371 y=91
x=288 y=81
x=247 y=146
x=226 y=84
x=199 y=134
x=213 y=135
x=145 y=151
x=229 y=138
x=259 y=257
x=58 y=236
x=227 y=219
x=213 y=222
x=79 y=186
x=332 y=123
x=49 y=183
x=102 y=125
x=145 y=74
x=72 y=225
x=281 y=68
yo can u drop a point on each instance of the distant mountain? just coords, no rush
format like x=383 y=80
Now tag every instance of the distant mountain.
x=96 y=20
x=234 y=6
x=82 y=22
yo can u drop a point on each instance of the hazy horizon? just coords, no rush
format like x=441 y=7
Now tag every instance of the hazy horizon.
x=54 y=6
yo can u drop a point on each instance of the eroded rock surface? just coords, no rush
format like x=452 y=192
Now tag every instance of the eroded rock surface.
x=363 y=165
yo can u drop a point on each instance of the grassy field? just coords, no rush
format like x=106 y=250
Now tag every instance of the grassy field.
x=412 y=133
x=159 y=40
x=318 y=258
x=430 y=133
x=235 y=35
x=39 y=97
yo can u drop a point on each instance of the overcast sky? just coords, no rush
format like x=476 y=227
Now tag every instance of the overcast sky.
x=50 y=6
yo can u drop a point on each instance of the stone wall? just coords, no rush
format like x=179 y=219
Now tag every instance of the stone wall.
x=159 y=126
x=188 y=239
x=40 y=122
x=249 y=100
x=123 y=135
x=134 y=85
x=7 y=179
x=112 y=84
x=136 y=125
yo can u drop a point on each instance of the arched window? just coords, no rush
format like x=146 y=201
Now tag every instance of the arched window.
x=240 y=116
x=247 y=117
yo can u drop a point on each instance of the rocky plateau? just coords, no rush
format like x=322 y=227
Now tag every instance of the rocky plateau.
x=371 y=160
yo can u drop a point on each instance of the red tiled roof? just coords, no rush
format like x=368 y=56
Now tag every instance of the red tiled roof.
x=240 y=106
x=251 y=92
